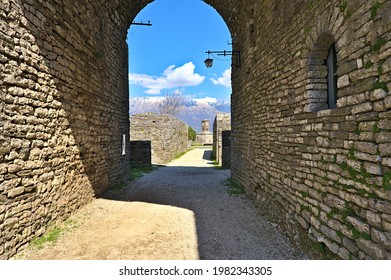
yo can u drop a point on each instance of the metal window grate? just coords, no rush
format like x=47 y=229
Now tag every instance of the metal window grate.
x=332 y=89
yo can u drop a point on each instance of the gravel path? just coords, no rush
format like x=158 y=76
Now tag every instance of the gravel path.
x=180 y=211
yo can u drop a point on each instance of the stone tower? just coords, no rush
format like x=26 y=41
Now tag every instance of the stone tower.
x=205 y=125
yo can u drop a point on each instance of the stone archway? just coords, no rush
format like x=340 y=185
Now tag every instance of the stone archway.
x=64 y=111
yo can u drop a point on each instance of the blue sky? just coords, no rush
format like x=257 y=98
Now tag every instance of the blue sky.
x=169 y=55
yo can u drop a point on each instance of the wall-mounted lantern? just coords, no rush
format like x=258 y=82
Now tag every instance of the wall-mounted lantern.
x=209 y=61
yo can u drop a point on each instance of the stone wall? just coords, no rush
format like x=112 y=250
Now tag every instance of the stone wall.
x=168 y=135
x=221 y=122
x=63 y=109
x=204 y=138
x=320 y=173
x=327 y=171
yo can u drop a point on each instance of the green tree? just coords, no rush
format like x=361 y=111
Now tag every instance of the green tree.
x=192 y=134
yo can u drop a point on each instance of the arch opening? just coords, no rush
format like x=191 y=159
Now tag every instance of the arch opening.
x=166 y=60
x=322 y=75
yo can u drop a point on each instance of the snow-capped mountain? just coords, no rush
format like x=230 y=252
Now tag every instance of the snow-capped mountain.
x=192 y=112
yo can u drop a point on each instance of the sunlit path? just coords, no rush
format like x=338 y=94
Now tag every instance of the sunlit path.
x=180 y=211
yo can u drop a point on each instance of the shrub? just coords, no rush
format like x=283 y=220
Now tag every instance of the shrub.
x=192 y=134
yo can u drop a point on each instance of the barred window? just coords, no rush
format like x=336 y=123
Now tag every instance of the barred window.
x=331 y=63
x=322 y=87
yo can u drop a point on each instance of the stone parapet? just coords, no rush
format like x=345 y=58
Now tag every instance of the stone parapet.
x=168 y=135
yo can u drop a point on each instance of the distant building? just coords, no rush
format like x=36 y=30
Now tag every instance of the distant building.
x=205 y=137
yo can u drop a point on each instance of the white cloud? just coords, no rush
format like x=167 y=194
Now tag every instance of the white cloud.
x=172 y=77
x=225 y=80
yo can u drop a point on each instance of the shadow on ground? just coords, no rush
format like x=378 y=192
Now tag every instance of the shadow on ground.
x=228 y=227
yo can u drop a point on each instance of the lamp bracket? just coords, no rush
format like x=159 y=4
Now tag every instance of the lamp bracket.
x=225 y=53
x=142 y=23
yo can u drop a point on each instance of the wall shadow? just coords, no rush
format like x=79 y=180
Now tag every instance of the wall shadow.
x=207 y=155
x=228 y=227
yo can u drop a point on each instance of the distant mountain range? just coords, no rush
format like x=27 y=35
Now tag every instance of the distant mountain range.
x=192 y=112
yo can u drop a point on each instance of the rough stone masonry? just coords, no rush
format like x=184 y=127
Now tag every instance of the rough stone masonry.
x=321 y=173
x=168 y=135
x=222 y=122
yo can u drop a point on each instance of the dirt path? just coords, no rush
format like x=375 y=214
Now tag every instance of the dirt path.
x=180 y=211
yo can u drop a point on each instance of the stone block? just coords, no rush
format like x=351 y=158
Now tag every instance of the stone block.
x=380 y=237
x=343 y=253
x=366 y=157
x=384 y=124
x=330 y=233
x=13 y=168
x=334 y=201
x=358 y=224
x=387 y=102
x=302 y=222
x=362 y=108
x=360 y=63
x=356 y=99
x=370 y=116
x=380 y=205
x=315 y=222
x=350 y=245
x=383 y=137
x=386 y=162
x=15 y=192
x=385 y=149
x=386 y=217
x=374 y=219
x=333 y=247
x=366 y=147
x=374 y=250
x=386 y=225
x=10 y=184
x=378 y=94
x=343 y=81
x=373 y=168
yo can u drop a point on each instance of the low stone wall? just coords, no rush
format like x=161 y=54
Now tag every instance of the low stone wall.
x=140 y=153
x=168 y=135
x=221 y=122
x=204 y=138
